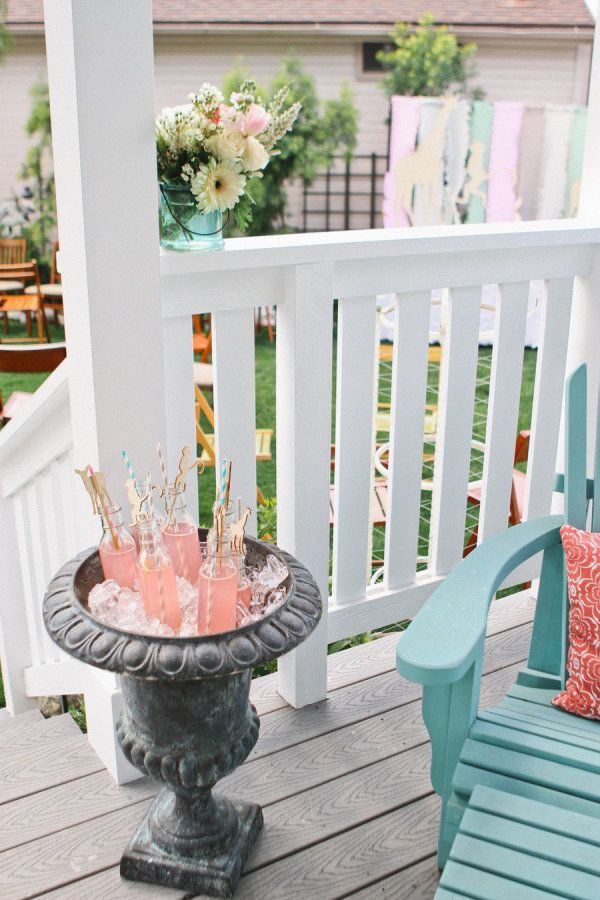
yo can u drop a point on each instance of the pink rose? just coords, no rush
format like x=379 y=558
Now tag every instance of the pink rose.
x=255 y=120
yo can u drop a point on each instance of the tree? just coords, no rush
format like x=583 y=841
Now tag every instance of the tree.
x=33 y=215
x=426 y=61
x=322 y=130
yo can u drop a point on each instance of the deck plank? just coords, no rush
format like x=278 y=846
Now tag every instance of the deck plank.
x=26 y=771
x=351 y=859
x=417 y=882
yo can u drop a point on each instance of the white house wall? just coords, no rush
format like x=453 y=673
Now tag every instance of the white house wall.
x=536 y=71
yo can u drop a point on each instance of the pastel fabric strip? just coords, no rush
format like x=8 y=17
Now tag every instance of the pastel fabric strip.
x=528 y=188
x=575 y=164
x=555 y=152
x=403 y=137
x=457 y=147
x=424 y=213
x=504 y=160
x=482 y=119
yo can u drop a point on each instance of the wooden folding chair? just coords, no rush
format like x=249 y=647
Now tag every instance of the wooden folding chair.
x=12 y=251
x=20 y=301
x=202 y=338
x=51 y=292
x=206 y=439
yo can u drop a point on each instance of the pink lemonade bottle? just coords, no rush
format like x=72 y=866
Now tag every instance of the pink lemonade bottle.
x=117 y=548
x=180 y=535
x=217 y=587
x=156 y=576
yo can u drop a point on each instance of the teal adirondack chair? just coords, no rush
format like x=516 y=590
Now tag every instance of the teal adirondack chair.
x=519 y=783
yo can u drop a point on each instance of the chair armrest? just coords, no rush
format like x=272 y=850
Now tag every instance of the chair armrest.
x=446 y=635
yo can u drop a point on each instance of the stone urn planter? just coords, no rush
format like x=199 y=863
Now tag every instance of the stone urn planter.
x=187 y=720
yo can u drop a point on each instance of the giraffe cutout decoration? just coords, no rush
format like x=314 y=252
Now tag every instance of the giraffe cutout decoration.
x=424 y=169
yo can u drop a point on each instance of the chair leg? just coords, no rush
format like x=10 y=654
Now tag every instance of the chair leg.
x=270 y=329
x=5 y=323
x=28 y=323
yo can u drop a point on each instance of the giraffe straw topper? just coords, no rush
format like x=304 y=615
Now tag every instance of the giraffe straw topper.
x=238 y=533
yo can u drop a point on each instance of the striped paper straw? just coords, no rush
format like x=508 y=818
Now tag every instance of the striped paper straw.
x=127 y=462
x=163 y=468
x=223 y=483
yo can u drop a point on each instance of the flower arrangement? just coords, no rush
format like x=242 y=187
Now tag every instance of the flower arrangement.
x=218 y=148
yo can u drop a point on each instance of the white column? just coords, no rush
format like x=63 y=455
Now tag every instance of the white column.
x=584 y=336
x=101 y=80
x=304 y=360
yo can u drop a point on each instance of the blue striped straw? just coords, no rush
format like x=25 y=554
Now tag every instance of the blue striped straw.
x=223 y=485
x=130 y=469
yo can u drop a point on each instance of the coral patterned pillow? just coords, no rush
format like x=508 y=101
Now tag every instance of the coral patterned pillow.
x=582 y=694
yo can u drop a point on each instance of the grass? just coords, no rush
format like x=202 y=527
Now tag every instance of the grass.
x=265 y=418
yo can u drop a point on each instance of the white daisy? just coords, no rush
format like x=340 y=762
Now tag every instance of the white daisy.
x=218 y=185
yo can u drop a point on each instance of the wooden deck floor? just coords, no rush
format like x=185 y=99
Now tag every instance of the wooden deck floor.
x=348 y=805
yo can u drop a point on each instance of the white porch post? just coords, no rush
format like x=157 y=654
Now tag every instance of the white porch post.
x=101 y=79
x=584 y=337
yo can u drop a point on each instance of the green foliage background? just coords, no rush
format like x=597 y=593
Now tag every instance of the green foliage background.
x=426 y=61
x=323 y=129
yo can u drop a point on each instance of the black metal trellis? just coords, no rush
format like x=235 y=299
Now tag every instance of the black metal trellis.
x=347 y=195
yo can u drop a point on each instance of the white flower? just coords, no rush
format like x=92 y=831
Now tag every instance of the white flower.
x=228 y=144
x=218 y=185
x=254 y=156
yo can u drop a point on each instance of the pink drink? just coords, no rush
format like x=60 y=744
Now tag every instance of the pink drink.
x=182 y=545
x=159 y=594
x=119 y=564
x=244 y=594
x=217 y=598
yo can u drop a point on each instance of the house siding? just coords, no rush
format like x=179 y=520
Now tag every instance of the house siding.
x=535 y=70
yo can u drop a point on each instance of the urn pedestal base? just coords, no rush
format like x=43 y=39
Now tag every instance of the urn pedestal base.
x=209 y=871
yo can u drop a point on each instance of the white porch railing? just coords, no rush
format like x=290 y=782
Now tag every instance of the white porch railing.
x=42 y=511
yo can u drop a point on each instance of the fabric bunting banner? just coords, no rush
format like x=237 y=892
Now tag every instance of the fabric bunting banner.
x=454 y=160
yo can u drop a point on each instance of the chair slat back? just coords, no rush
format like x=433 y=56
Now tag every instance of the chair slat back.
x=596 y=506
x=13 y=250
x=575 y=449
x=23 y=271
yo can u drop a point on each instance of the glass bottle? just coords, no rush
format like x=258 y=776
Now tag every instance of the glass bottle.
x=117 y=548
x=156 y=576
x=244 y=588
x=180 y=535
x=217 y=587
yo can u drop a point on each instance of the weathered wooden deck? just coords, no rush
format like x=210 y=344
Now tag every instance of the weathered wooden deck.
x=344 y=784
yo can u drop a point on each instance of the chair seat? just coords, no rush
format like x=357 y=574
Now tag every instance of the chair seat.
x=522 y=848
x=378 y=502
x=262 y=445
x=203 y=374
x=10 y=286
x=47 y=290
x=526 y=746
x=18 y=303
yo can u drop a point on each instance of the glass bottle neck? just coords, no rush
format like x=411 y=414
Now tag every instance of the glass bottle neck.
x=111 y=515
x=149 y=534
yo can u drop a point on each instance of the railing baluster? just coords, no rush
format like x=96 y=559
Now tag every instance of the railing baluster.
x=455 y=424
x=28 y=577
x=503 y=407
x=304 y=360
x=235 y=406
x=353 y=447
x=547 y=395
x=409 y=390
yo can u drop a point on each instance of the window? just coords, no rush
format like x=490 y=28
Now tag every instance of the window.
x=370 y=62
